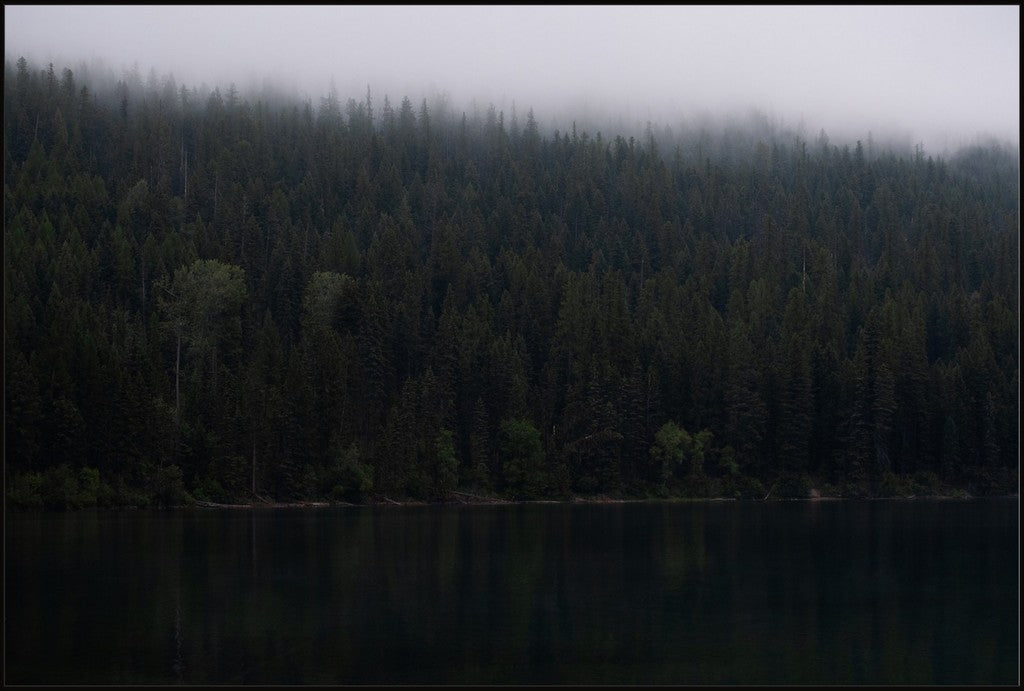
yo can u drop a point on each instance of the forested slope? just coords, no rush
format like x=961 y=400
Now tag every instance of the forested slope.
x=217 y=294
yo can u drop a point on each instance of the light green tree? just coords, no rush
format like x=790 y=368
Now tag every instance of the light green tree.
x=669 y=449
x=201 y=308
x=674 y=448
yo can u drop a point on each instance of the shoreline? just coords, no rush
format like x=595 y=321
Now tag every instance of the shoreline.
x=275 y=506
x=485 y=501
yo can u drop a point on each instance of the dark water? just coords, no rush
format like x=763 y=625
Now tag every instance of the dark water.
x=911 y=592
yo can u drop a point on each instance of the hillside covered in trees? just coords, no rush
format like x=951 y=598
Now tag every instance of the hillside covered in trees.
x=217 y=296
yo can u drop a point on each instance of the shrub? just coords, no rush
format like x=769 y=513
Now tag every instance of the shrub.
x=352 y=479
x=361 y=478
x=130 y=496
x=792 y=486
x=522 y=456
x=168 y=487
x=743 y=487
x=830 y=490
x=990 y=482
x=25 y=491
x=727 y=462
x=88 y=486
x=208 y=489
x=60 y=488
x=855 y=489
x=694 y=485
x=925 y=483
x=892 y=485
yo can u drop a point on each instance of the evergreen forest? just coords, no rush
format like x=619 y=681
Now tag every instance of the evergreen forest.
x=223 y=297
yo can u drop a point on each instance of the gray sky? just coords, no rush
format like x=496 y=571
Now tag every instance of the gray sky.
x=942 y=74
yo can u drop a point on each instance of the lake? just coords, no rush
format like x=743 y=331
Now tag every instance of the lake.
x=826 y=592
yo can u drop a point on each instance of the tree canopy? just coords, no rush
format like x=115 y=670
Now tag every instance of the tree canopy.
x=358 y=301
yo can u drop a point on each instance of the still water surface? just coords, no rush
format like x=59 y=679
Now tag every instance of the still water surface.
x=911 y=592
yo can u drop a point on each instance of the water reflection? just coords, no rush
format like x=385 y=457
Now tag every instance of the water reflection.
x=703 y=593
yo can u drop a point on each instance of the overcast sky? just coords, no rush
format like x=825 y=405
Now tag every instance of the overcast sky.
x=941 y=74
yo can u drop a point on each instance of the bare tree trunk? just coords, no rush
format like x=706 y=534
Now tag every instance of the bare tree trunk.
x=177 y=394
x=177 y=380
x=184 y=204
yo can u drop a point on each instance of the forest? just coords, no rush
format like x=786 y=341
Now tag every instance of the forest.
x=223 y=297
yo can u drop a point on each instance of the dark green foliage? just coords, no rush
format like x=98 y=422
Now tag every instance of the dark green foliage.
x=21 y=409
x=226 y=297
x=209 y=490
x=477 y=470
x=349 y=479
x=167 y=486
x=791 y=485
x=522 y=457
x=992 y=482
x=925 y=483
x=446 y=468
x=743 y=487
x=889 y=485
x=60 y=488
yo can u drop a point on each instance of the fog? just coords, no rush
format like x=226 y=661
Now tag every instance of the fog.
x=941 y=76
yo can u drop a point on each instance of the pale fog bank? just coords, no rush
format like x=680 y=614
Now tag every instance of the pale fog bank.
x=936 y=77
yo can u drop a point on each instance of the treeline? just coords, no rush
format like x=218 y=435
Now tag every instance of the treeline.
x=218 y=297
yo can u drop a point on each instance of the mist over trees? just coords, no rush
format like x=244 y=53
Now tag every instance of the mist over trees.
x=223 y=295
